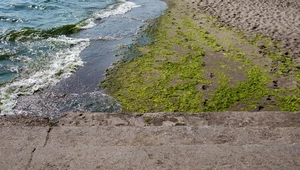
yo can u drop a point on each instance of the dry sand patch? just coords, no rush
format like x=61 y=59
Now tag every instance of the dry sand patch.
x=278 y=19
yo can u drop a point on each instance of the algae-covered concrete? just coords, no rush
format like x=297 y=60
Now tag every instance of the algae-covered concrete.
x=230 y=140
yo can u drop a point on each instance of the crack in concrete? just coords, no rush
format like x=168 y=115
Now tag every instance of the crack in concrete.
x=30 y=160
x=47 y=136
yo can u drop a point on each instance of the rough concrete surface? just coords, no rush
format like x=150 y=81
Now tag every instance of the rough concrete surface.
x=230 y=140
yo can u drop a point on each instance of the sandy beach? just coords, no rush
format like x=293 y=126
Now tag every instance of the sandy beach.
x=279 y=19
x=204 y=59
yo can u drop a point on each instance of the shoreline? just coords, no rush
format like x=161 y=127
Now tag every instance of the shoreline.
x=222 y=69
x=80 y=90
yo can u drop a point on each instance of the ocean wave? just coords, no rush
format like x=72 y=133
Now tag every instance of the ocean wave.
x=122 y=8
x=117 y=9
x=30 y=33
x=60 y=66
x=88 y=23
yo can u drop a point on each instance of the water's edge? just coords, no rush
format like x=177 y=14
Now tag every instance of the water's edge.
x=80 y=90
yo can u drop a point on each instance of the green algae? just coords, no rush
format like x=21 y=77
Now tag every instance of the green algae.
x=225 y=97
x=30 y=33
x=4 y=56
x=289 y=103
x=168 y=73
x=283 y=66
x=162 y=79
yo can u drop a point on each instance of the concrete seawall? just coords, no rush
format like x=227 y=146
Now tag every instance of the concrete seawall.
x=230 y=140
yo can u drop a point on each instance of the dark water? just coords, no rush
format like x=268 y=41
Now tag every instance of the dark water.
x=46 y=61
x=17 y=16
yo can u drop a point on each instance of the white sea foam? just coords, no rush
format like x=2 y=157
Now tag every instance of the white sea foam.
x=89 y=23
x=117 y=9
x=13 y=68
x=123 y=8
x=62 y=64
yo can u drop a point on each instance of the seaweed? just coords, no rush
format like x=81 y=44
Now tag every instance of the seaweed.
x=167 y=74
x=29 y=33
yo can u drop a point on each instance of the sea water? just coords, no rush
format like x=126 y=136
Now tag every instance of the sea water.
x=41 y=42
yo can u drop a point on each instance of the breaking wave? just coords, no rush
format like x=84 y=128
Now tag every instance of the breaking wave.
x=44 y=71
